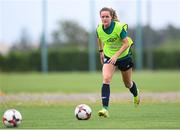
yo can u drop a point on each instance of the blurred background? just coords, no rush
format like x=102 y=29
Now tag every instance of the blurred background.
x=49 y=62
x=57 y=35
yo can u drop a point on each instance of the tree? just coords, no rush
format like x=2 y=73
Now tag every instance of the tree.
x=70 y=32
x=24 y=43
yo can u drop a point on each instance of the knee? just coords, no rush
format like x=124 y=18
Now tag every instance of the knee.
x=107 y=79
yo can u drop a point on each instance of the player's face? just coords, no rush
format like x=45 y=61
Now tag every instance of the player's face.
x=105 y=18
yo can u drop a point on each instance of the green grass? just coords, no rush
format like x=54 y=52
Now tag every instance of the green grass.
x=122 y=115
x=78 y=82
x=153 y=116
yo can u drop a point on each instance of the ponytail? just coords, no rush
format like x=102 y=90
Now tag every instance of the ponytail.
x=114 y=15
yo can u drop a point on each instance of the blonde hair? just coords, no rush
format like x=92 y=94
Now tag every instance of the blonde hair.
x=112 y=13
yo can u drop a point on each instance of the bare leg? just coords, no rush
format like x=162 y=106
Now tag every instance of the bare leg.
x=107 y=72
x=127 y=78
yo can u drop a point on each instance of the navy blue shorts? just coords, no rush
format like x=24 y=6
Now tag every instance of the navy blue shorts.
x=123 y=64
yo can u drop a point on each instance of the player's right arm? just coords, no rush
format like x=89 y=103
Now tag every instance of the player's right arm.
x=100 y=45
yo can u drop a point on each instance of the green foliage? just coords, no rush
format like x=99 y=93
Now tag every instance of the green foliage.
x=69 y=32
x=154 y=38
x=167 y=55
x=168 y=60
x=169 y=46
x=73 y=58
x=20 y=61
x=69 y=50
x=58 y=60
x=63 y=61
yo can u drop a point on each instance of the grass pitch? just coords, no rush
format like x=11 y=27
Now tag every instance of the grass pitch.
x=149 y=115
x=146 y=116
x=80 y=82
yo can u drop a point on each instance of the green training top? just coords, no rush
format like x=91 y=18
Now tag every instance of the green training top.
x=112 y=40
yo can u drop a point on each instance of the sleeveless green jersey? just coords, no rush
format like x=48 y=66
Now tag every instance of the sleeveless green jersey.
x=112 y=42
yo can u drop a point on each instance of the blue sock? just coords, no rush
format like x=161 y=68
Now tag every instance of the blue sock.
x=105 y=93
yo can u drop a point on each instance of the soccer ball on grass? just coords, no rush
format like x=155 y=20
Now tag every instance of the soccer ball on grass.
x=12 y=118
x=83 y=112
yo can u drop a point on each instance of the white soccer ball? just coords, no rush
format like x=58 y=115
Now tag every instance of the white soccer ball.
x=83 y=112
x=12 y=118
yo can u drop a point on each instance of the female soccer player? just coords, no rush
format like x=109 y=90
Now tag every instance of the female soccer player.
x=114 y=48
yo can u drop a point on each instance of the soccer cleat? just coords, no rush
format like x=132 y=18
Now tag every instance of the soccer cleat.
x=103 y=113
x=136 y=99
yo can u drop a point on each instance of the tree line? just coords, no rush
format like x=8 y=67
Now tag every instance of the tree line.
x=68 y=49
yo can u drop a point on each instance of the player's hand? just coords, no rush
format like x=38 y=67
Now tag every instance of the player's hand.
x=113 y=60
